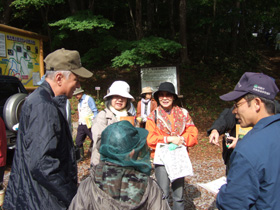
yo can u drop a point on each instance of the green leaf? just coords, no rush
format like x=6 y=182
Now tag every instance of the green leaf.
x=83 y=21
x=144 y=51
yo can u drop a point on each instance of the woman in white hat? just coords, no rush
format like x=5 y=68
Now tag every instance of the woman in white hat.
x=145 y=106
x=117 y=103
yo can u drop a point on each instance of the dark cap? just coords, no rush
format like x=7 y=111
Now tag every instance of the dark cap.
x=255 y=83
x=168 y=87
x=66 y=60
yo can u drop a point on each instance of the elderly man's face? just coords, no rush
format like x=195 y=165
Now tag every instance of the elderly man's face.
x=244 y=113
x=69 y=85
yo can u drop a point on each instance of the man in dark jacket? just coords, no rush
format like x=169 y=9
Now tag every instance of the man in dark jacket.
x=44 y=170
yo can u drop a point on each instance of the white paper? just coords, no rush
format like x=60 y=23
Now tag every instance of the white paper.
x=177 y=162
x=214 y=186
x=157 y=159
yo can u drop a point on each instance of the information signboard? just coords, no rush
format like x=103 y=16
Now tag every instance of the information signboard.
x=21 y=55
x=152 y=77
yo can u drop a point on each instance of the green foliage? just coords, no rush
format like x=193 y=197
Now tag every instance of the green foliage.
x=105 y=48
x=59 y=38
x=99 y=104
x=20 y=4
x=83 y=21
x=143 y=52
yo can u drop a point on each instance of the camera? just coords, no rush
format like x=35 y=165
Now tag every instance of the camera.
x=228 y=141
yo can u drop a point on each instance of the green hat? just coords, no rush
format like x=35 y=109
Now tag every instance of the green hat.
x=119 y=139
x=66 y=60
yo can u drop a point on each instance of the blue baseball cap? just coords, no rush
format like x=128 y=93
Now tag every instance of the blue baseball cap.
x=255 y=83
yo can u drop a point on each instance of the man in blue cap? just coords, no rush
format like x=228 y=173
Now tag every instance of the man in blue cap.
x=253 y=181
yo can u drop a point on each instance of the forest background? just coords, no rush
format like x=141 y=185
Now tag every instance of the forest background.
x=211 y=42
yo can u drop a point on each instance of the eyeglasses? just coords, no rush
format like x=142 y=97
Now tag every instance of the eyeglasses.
x=236 y=105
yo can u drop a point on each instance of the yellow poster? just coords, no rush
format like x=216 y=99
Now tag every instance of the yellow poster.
x=241 y=132
x=21 y=55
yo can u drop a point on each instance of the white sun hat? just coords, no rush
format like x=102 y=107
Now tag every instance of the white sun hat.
x=120 y=88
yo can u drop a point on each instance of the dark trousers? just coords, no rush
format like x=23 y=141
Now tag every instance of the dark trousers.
x=82 y=133
x=177 y=187
x=2 y=170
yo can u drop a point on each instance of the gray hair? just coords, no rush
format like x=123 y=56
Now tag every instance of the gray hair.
x=51 y=74
x=269 y=104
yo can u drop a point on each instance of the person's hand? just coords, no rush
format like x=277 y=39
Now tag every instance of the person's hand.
x=214 y=137
x=175 y=140
x=233 y=144
x=139 y=119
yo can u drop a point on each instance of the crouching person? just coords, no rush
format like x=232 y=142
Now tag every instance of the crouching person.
x=121 y=179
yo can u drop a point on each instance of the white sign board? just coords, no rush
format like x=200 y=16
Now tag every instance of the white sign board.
x=152 y=77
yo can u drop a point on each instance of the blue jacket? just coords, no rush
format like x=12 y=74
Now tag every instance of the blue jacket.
x=253 y=181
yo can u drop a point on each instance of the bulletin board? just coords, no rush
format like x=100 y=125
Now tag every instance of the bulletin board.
x=152 y=77
x=21 y=55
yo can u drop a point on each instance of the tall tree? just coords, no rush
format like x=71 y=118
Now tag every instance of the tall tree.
x=171 y=16
x=183 y=31
x=150 y=15
x=6 y=11
x=138 y=19
x=73 y=6
x=234 y=29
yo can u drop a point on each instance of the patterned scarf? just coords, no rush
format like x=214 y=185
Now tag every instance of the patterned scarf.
x=181 y=118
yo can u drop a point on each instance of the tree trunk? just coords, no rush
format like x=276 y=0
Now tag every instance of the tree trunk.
x=91 y=5
x=234 y=31
x=138 y=19
x=150 y=15
x=45 y=16
x=171 y=16
x=132 y=17
x=7 y=11
x=73 y=6
x=243 y=28
x=207 y=48
x=183 y=32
